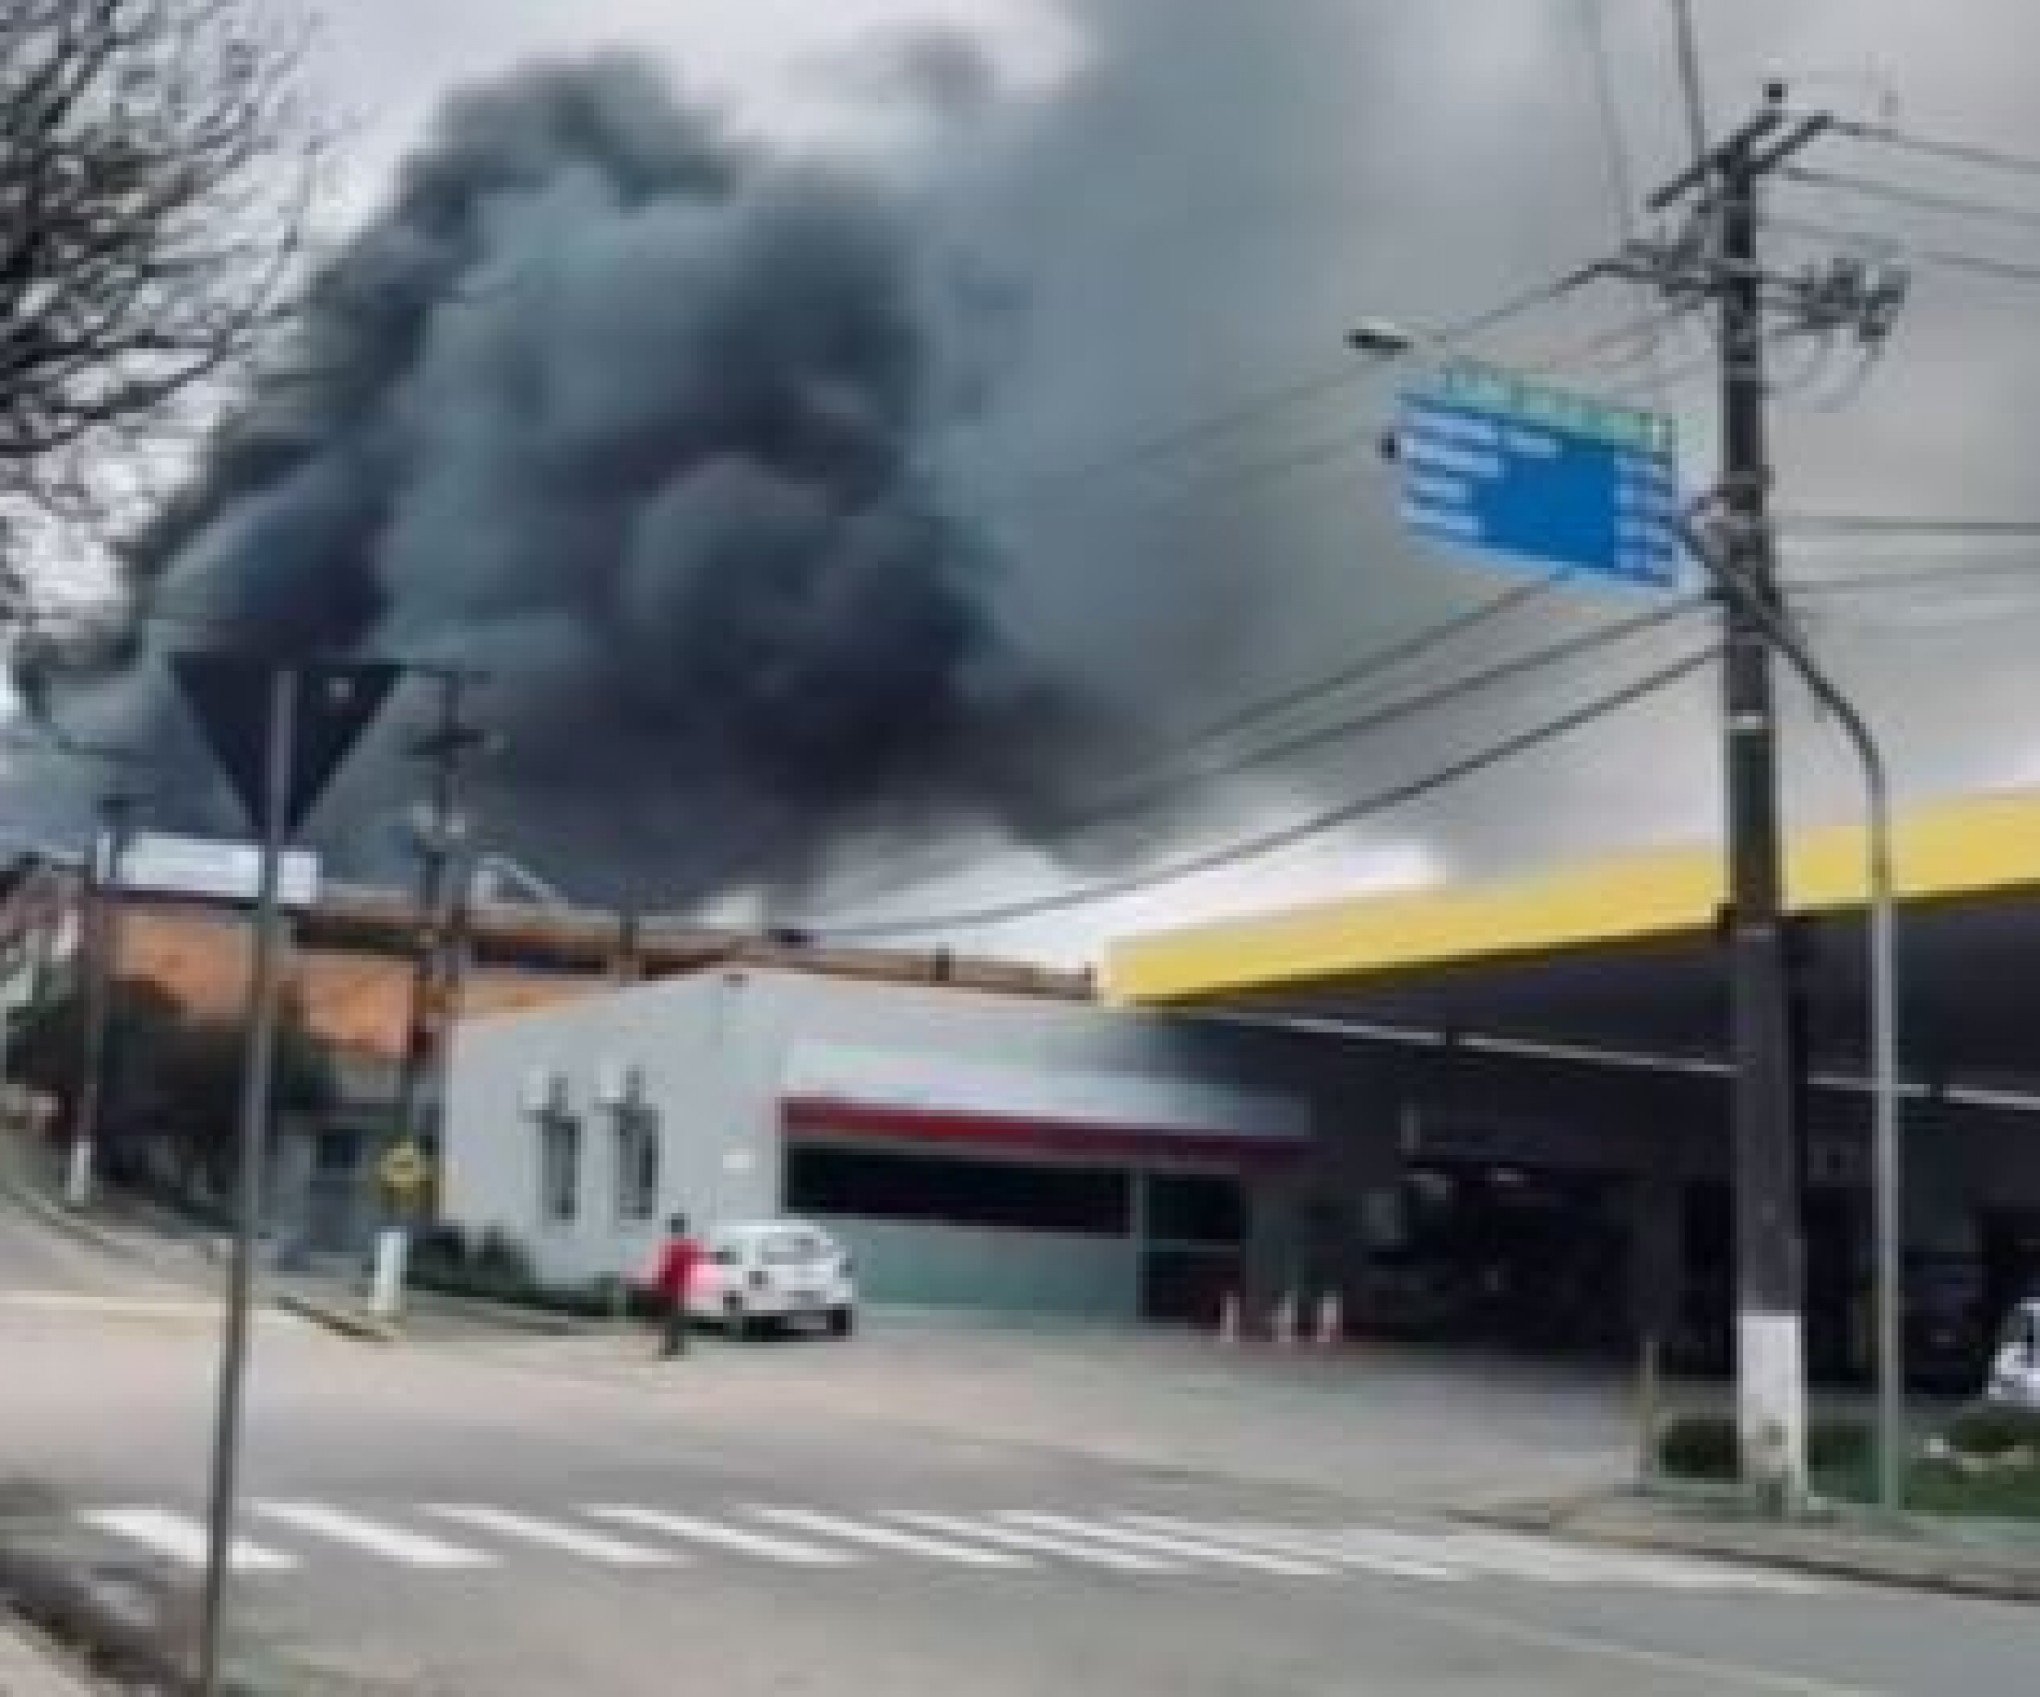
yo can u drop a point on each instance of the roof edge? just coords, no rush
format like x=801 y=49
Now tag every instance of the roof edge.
x=1974 y=846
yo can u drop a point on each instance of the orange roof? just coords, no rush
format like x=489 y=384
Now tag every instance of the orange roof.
x=354 y=1000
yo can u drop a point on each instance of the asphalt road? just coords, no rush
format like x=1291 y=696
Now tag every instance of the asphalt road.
x=922 y=1510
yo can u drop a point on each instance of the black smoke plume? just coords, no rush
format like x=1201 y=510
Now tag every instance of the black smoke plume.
x=635 y=419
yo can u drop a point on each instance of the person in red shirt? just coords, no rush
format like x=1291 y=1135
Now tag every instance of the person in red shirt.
x=677 y=1262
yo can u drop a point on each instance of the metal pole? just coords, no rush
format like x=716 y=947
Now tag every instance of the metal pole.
x=101 y=945
x=1649 y=1399
x=1770 y=1342
x=255 y=1080
x=434 y=966
x=1887 y=1132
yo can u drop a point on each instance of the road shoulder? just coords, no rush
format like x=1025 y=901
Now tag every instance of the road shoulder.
x=1915 y=1553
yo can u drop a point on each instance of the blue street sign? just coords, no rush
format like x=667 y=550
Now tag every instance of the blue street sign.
x=1494 y=463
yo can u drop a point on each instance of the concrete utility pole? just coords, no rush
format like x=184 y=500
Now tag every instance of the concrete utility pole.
x=1770 y=1277
x=99 y=949
x=1770 y=1272
x=441 y=906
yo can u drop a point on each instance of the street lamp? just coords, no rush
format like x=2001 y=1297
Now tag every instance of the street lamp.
x=1384 y=339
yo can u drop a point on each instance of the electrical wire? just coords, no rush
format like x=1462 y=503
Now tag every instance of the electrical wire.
x=2018 y=574
x=1931 y=147
x=1143 y=798
x=1621 y=171
x=1375 y=663
x=1271 y=842
x=1161 y=444
x=1902 y=194
x=1132 y=800
x=1904 y=524
x=1687 y=37
x=1317 y=451
x=2010 y=270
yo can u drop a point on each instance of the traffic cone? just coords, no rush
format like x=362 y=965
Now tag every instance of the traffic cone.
x=1331 y=1320
x=1229 y=1318
x=1284 y=1324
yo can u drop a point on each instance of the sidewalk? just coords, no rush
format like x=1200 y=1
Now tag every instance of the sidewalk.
x=28 y=1670
x=1957 y=1557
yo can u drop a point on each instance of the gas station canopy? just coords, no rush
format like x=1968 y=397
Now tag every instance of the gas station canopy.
x=1624 y=953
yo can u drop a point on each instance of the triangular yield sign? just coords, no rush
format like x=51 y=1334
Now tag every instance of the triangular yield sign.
x=232 y=696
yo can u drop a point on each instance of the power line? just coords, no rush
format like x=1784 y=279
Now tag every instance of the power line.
x=1615 y=144
x=1621 y=172
x=1687 y=35
x=1317 y=451
x=1905 y=524
x=1981 y=574
x=1391 y=713
x=1902 y=194
x=1375 y=662
x=1132 y=800
x=1930 y=147
x=1271 y=842
x=1163 y=443
x=1986 y=265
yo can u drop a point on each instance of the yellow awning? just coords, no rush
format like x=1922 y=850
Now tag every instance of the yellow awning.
x=1978 y=846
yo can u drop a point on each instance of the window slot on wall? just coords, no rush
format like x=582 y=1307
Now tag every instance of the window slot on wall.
x=559 y=1146
x=637 y=1162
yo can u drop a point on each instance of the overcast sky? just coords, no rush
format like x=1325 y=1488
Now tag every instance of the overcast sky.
x=1192 y=198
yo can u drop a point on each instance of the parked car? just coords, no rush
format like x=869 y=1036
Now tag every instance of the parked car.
x=2015 y=1370
x=759 y=1275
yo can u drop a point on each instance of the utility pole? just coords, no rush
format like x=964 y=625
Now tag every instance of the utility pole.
x=1720 y=260
x=99 y=948
x=441 y=908
x=1770 y=1257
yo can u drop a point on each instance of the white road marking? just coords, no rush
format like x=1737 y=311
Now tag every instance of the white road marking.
x=792 y=1551
x=1169 y=1544
x=133 y=1307
x=408 y=1549
x=1368 y=1551
x=1038 y=1543
x=1521 y=1556
x=183 y=1539
x=887 y=1537
x=591 y=1546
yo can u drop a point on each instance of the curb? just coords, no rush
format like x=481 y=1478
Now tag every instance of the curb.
x=60 y=1606
x=26 y=1652
x=55 y=1214
x=1896 y=1572
x=427 y=1304
x=345 y=1322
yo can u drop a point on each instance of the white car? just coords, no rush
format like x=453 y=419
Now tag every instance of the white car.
x=757 y=1275
x=2015 y=1370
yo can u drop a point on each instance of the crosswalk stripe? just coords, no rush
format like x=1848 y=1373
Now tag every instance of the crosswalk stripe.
x=183 y=1539
x=1171 y=1544
x=792 y=1551
x=1343 y=1549
x=888 y=1537
x=409 y=1549
x=593 y=1546
x=1039 y=1543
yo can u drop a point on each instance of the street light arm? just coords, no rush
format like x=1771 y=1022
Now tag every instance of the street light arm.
x=1778 y=632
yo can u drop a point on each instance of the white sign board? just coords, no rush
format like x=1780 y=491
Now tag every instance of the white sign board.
x=208 y=870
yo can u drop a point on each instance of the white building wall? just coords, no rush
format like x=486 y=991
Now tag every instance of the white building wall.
x=719 y=1053
x=687 y=1038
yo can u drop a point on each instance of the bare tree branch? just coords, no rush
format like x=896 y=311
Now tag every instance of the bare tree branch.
x=155 y=170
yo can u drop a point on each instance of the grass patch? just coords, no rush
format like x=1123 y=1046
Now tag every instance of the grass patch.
x=1991 y=1467
x=1704 y=1446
